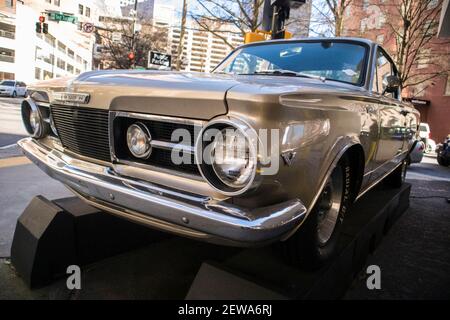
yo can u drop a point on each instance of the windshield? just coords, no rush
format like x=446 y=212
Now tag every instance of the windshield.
x=339 y=61
x=7 y=83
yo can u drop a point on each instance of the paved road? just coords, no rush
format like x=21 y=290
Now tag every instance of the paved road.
x=11 y=128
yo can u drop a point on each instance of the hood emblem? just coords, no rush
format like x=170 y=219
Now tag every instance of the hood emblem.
x=288 y=156
x=71 y=97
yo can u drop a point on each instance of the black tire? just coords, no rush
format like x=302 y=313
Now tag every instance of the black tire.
x=397 y=177
x=442 y=161
x=14 y=94
x=305 y=248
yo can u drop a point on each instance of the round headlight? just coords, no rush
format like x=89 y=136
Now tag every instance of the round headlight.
x=226 y=156
x=231 y=159
x=138 y=140
x=33 y=119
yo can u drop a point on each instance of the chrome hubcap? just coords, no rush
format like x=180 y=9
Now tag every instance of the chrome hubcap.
x=330 y=205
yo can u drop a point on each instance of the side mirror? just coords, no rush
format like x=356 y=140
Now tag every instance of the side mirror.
x=392 y=84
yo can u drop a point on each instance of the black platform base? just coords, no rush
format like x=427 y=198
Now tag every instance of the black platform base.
x=51 y=235
x=262 y=273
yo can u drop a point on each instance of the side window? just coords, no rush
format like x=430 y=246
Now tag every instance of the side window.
x=384 y=68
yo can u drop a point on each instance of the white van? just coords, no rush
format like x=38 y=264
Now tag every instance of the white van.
x=13 y=88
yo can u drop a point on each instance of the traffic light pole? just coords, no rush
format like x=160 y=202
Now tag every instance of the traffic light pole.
x=275 y=14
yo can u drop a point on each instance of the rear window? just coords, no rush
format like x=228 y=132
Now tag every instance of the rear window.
x=423 y=128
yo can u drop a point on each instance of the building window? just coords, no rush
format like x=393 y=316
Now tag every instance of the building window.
x=80 y=9
x=48 y=75
x=57 y=3
x=70 y=53
x=77 y=71
x=61 y=63
x=61 y=47
x=48 y=1
x=50 y=39
x=88 y=12
x=7 y=55
x=70 y=68
x=37 y=73
x=7 y=30
x=447 y=87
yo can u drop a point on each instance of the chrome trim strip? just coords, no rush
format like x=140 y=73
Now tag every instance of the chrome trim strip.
x=154 y=117
x=219 y=219
x=171 y=145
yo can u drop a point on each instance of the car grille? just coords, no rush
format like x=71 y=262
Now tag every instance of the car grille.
x=83 y=130
x=160 y=131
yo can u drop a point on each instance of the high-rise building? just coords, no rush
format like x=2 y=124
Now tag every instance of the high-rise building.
x=203 y=50
x=28 y=55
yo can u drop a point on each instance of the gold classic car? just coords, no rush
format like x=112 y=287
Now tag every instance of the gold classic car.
x=273 y=145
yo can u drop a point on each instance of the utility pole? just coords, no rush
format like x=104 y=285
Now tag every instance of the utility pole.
x=133 y=39
x=182 y=32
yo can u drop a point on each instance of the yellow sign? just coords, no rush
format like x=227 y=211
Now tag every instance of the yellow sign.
x=260 y=35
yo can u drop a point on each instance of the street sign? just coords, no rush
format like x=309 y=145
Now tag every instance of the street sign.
x=116 y=37
x=58 y=16
x=158 y=60
x=88 y=27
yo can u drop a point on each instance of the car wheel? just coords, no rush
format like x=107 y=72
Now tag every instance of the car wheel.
x=443 y=162
x=397 y=177
x=315 y=242
x=14 y=94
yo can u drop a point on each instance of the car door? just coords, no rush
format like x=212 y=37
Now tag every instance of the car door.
x=391 y=119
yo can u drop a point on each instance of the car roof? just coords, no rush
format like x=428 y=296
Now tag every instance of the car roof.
x=313 y=39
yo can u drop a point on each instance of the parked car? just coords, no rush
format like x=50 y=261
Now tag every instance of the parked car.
x=417 y=152
x=443 y=152
x=13 y=88
x=274 y=145
x=425 y=135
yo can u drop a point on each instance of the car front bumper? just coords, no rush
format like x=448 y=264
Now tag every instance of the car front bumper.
x=167 y=209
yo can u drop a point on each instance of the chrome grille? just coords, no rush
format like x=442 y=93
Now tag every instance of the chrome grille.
x=83 y=130
x=161 y=129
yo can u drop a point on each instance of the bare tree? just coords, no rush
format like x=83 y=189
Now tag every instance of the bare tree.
x=115 y=51
x=330 y=15
x=244 y=14
x=419 y=55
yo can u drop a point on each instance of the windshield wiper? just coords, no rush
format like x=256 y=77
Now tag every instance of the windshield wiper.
x=282 y=72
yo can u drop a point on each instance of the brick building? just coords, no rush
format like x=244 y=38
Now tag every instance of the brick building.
x=372 y=19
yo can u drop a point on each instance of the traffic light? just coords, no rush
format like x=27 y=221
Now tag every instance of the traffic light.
x=38 y=27
x=131 y=56
x=41 y=19
x=45 y=28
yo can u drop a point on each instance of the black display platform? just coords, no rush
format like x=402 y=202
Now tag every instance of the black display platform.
x=50 y=235
x=370 y=218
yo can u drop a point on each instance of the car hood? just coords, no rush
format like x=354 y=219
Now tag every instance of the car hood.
x=183 y=94
x=6 y=87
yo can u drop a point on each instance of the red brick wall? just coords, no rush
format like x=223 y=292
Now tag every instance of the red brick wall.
x=367 y=19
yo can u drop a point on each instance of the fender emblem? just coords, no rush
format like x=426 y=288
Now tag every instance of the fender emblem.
x=71 y=97
x=288 y=157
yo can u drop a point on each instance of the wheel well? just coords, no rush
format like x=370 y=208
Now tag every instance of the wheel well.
x=356 y=157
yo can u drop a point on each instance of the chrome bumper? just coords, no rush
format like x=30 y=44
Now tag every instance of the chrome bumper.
x=167 y=209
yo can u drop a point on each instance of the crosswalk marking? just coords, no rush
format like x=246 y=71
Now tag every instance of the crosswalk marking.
x=14 y=161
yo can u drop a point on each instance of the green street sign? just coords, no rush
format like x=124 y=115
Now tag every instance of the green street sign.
x=56 y=16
